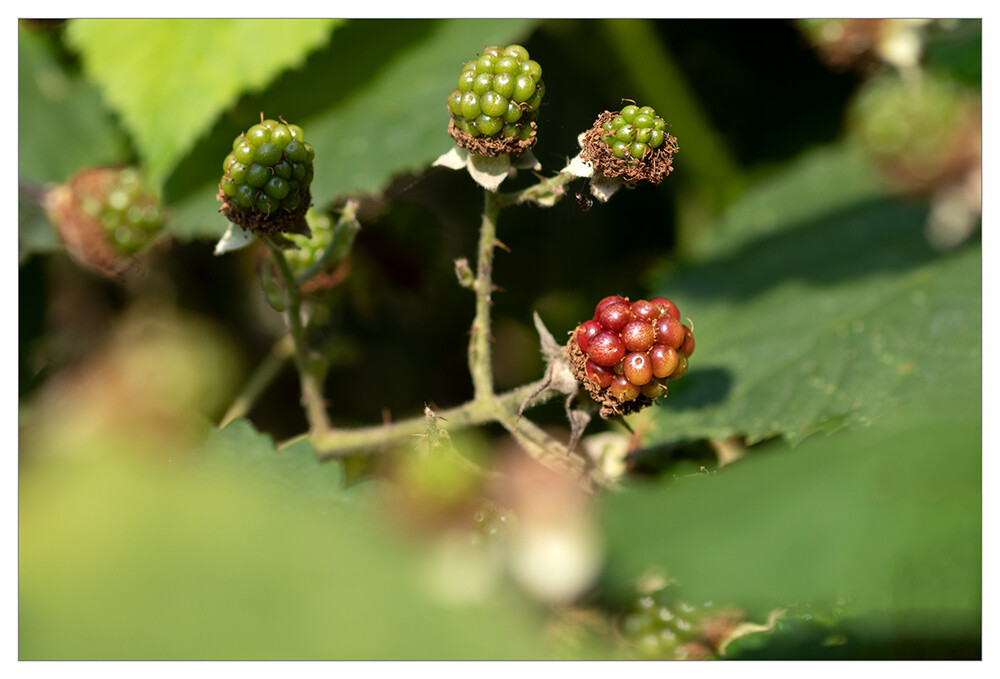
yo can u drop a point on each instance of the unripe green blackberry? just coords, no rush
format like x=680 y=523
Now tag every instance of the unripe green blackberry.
x=266 y=178
x=632 y=144
x=495 y=106
x=106 y=216
x=925 y=133
x=628 y=351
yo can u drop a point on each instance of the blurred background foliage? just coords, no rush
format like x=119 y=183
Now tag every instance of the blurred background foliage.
x=817 y=470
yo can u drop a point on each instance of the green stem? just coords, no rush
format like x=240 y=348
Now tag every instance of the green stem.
x=312 y=395
x=546 y=192
x=480 y=351
x=260 y=379
x=370 y=440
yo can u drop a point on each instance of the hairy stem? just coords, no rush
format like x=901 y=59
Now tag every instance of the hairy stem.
x=480 y=351
x=312 y=395
x=547 y=192
x=370 y=440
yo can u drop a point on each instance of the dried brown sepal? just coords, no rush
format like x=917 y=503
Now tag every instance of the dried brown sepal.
x=282 y=221
x=493 y=146
x=655 y=165
x=610 y=406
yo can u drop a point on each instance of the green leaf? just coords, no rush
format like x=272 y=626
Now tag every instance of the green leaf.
x=169 y=79
x=62 y=124
x=885 y=521
x=227 y=555
x=296 y=468
x=821 y=306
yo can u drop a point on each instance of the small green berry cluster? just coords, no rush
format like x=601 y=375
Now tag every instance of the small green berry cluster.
x=661 y=626
x=628 y=351
x=634 y=131
x=310 y=249
x=266 y=177
x=498 y=95
x=127 y=209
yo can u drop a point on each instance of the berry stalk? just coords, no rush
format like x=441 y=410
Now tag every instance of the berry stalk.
x=261 y=378
x=312 y=393
x=480 y=351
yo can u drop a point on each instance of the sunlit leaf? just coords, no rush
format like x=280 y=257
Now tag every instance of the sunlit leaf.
x=169 y=79
x=62 y=123
x=816 y=317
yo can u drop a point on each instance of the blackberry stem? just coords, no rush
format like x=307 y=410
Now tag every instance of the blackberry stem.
x=312 y=393
x=480 y=351
x=262 y=376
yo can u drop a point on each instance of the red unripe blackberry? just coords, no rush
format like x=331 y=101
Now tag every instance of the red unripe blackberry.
x=682 y=366
x=623 y=390
x=666 y=306
x=626 y=351
x=606 y=348
x=606 y=301
x=663 y=360
x=615 y=316
x=599 y=375
x=585 y=332
x=638 y=335
x=669 y=331
x=687 y=348
x=638 y=368
x=646 y=311
x=653 y=390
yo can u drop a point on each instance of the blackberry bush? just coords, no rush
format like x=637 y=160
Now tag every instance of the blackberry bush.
x=494 y=107
x=627 y=353
x=266 y=178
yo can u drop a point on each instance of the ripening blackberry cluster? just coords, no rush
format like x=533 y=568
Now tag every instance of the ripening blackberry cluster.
x=630 y=350
x=634 y=131
x=265 y=185
x=498 y=94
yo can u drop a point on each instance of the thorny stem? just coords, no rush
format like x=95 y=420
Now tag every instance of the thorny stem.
x=312 y=395
x=370 y=440
x=486 y=406
x=480 y=351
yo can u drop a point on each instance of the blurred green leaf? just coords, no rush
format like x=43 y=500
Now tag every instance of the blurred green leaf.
x=62 y=124
x=885 y=521
x=958 y=50
x=821 y=306
x=295 y=469
x=169 y=79
x=144 y=559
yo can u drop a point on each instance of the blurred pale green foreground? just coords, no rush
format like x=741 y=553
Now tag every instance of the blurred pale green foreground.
x=137 y=542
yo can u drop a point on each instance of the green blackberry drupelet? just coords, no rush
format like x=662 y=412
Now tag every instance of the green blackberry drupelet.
x=265 y=182
x=495 y=106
